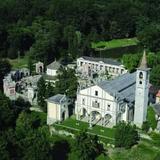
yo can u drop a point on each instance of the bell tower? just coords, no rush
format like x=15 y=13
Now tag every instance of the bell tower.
x=141 y=92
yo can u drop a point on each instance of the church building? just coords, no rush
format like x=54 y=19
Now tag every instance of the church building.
x=123 y=99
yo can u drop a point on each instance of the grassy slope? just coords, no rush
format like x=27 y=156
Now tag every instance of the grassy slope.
x=19 y=63
x=115 y=43
x=145 y=150
x=71 y=122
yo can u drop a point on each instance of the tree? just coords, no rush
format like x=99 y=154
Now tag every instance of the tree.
x=5 y=68
x=47 y=35
x=67 y=82
x=126 y=135
x=87 y=147
x=30 y=64
x=49 y=90
x=60 y=150
x=151 y=117
x=149 y=37
x=6 y=114
x=41 y=89
x=131 y=61
x=157 y=156
x=20 y=38
x=154 y=75
x=37 y=145
x=3 y=148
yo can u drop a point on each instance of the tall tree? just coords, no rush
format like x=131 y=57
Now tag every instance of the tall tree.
x=41 y=95
x=5 y=67
x=67 y=82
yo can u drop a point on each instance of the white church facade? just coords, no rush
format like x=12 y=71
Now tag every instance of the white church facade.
x=123 y=99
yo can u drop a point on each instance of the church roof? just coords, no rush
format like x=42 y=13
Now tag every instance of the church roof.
x=104 y=60
x=58 y=98
x=54 y=65
x=143 y=64
x=122 y=87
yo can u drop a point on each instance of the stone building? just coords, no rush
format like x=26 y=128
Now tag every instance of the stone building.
x=9 y=87
x=39 y=67
x=87 y=66
x=57 y=108
x=53 y=68
x=109 y=102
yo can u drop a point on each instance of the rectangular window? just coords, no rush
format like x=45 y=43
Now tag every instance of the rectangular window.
x=96 y=93
x=83 y=101
x=95 y=104
x=108 y=107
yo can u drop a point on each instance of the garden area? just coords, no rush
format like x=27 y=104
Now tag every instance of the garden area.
x=115 y=43
x=73 y=126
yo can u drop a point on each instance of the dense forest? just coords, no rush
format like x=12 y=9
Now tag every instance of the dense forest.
x=48 y=29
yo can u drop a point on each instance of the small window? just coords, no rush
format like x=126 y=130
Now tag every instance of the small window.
x=140 y=75
x=96 y=93
x=140 y=82
x=108 y=107
x=83 y=101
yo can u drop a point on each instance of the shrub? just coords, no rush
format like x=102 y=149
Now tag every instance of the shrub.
x=126 y=135
x=151 y=118
x=145 y=126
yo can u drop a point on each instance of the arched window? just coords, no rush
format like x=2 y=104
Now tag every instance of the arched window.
x=140 y=75
x=140 y=82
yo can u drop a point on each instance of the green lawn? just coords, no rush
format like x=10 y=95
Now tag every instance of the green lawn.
x=143 y=151
x=114 y=43
x=18 y=63
x=106 y=134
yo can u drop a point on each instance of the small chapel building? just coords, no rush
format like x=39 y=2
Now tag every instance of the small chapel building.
x=123 y=99
x=57 y=108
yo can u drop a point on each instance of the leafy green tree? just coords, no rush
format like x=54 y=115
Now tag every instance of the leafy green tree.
x=5 y=67
x=20 y=38
x=60 y=150
x=157 y=156
x=151 y=117
x=126 y=135
x=30 y=64
x=41 y=95
x=49 y=90
x=6 y=114
x=149 y=37
x=3 y=149
x=87 y=147
x=47 y=35
x=154 y=75
x=131 y=61
x=67 y=82
x=37 y=145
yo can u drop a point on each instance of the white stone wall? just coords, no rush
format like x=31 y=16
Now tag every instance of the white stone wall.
x=99 y=67
x=51 y=72
x=107 y=104
x=55 y=111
